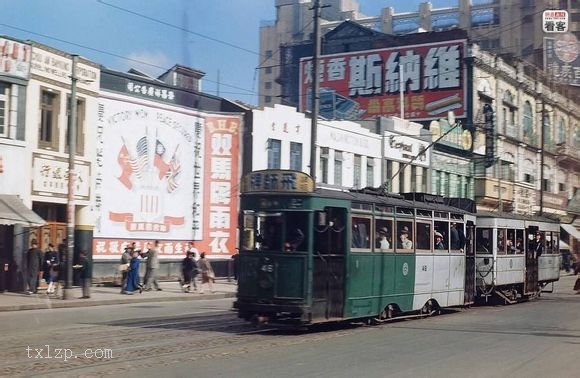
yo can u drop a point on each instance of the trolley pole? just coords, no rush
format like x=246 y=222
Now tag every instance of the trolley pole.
x=315 y=88
x=72 y=137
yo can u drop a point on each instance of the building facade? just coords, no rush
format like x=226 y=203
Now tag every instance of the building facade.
x=535 y=129
x=379 y=153
x=500 y=26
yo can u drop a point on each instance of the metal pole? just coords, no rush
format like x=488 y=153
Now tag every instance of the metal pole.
x=542 y=159
x=72 y=137
x=315 y=89
x=401 y=91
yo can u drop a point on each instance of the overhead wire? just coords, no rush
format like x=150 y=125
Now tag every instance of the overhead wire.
x=100 y=51
x=180 y=28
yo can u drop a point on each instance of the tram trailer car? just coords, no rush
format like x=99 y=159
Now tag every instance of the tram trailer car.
x=516 y=256
x=310 y=256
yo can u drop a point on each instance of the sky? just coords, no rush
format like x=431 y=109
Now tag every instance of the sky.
x=218 y=37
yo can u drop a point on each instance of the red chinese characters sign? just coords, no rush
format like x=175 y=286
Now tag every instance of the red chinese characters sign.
x=366 y=84
x=221 y=192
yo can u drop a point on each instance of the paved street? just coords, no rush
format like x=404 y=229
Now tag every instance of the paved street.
x=203 y=338
x=110 y=295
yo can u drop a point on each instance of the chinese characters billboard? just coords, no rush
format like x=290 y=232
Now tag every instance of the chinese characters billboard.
x=562 y=59
x=366 y=84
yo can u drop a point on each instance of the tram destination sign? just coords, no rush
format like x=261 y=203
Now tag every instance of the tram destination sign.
x=272 y=180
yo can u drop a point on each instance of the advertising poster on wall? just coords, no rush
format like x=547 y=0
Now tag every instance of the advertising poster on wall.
x=146 y=177
x=562 y=59
x=366 y=84
x=221 y=166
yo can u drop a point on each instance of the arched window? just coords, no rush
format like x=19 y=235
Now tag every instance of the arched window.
x=576 y=137
x=561 y=131
x=509 y=114
x=547 y=130
x=528 y=122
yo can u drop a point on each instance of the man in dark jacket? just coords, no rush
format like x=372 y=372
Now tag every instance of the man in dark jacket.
x=34 y=258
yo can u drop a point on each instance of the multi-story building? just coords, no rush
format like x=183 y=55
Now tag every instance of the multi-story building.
x=378 y=153
x=536 y=133
x=155 y=160
x=510 y=145
x=34 y=145
x=501 y=26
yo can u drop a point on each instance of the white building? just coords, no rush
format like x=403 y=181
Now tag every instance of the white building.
x=350 y=155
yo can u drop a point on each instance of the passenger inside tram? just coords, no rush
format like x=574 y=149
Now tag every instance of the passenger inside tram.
x=404 y=241
x=439 y=241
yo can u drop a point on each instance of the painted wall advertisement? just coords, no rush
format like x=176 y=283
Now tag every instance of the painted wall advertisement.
x=155 y=180
x=15 y=58
x=562 y=58
x=366 y=84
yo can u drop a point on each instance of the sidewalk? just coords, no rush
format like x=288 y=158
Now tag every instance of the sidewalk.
x=109 y=295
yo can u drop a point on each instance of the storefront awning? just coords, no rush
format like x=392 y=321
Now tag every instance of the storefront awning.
x=13 y=211
x=563 y=245
x=571 y=230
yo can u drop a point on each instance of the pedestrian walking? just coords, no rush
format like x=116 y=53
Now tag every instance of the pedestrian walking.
x=188 y=265
x=151 y=267
x=124 y=265
x=50 y=271
x=85 y=274
x=207 y=274
x=34 y=259
x=133 y=283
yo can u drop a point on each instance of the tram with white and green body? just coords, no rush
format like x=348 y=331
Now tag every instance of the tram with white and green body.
x=317 y=255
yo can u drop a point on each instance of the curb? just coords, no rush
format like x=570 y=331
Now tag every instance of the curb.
x=80 y=303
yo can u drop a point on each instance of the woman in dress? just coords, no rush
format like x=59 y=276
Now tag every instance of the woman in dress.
x=133 y=275
x=207 y=274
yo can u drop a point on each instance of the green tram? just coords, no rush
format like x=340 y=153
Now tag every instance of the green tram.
x=310 y=256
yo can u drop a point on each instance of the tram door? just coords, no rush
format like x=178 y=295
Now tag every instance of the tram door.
x=531 y=265
x=328 y=259
x=469 y=263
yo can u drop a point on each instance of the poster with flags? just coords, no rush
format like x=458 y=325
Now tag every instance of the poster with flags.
x=145 y=184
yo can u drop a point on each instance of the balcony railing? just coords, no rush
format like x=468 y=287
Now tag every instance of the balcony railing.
x=565 y=151
x=489 y=187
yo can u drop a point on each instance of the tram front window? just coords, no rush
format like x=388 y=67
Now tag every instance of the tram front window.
x=483 y=238
x=275 y=231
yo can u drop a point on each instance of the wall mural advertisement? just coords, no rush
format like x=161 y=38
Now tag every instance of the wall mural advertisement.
x=562 y=59
x=366 y=84
x=145 y=184
x=165 y=175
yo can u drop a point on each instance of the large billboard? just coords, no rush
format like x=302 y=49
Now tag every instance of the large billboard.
x=154 y=178
x=562 y=59
x=366 y=84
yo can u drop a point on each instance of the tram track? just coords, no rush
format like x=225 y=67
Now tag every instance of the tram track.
x=185 y=341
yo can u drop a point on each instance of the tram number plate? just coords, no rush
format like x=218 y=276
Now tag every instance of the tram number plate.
x=268 y=268
x=424 y=268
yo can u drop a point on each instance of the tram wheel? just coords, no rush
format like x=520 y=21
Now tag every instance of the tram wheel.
x=389 y=312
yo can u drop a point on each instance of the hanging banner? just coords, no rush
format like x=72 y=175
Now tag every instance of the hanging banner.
x=489 y=135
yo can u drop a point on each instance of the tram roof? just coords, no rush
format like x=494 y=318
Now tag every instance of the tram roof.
x=389 y=199
x=504 y=215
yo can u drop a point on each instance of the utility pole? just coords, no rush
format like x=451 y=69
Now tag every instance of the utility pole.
x=542 y=157
x=315 y=88
x=72 y=138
